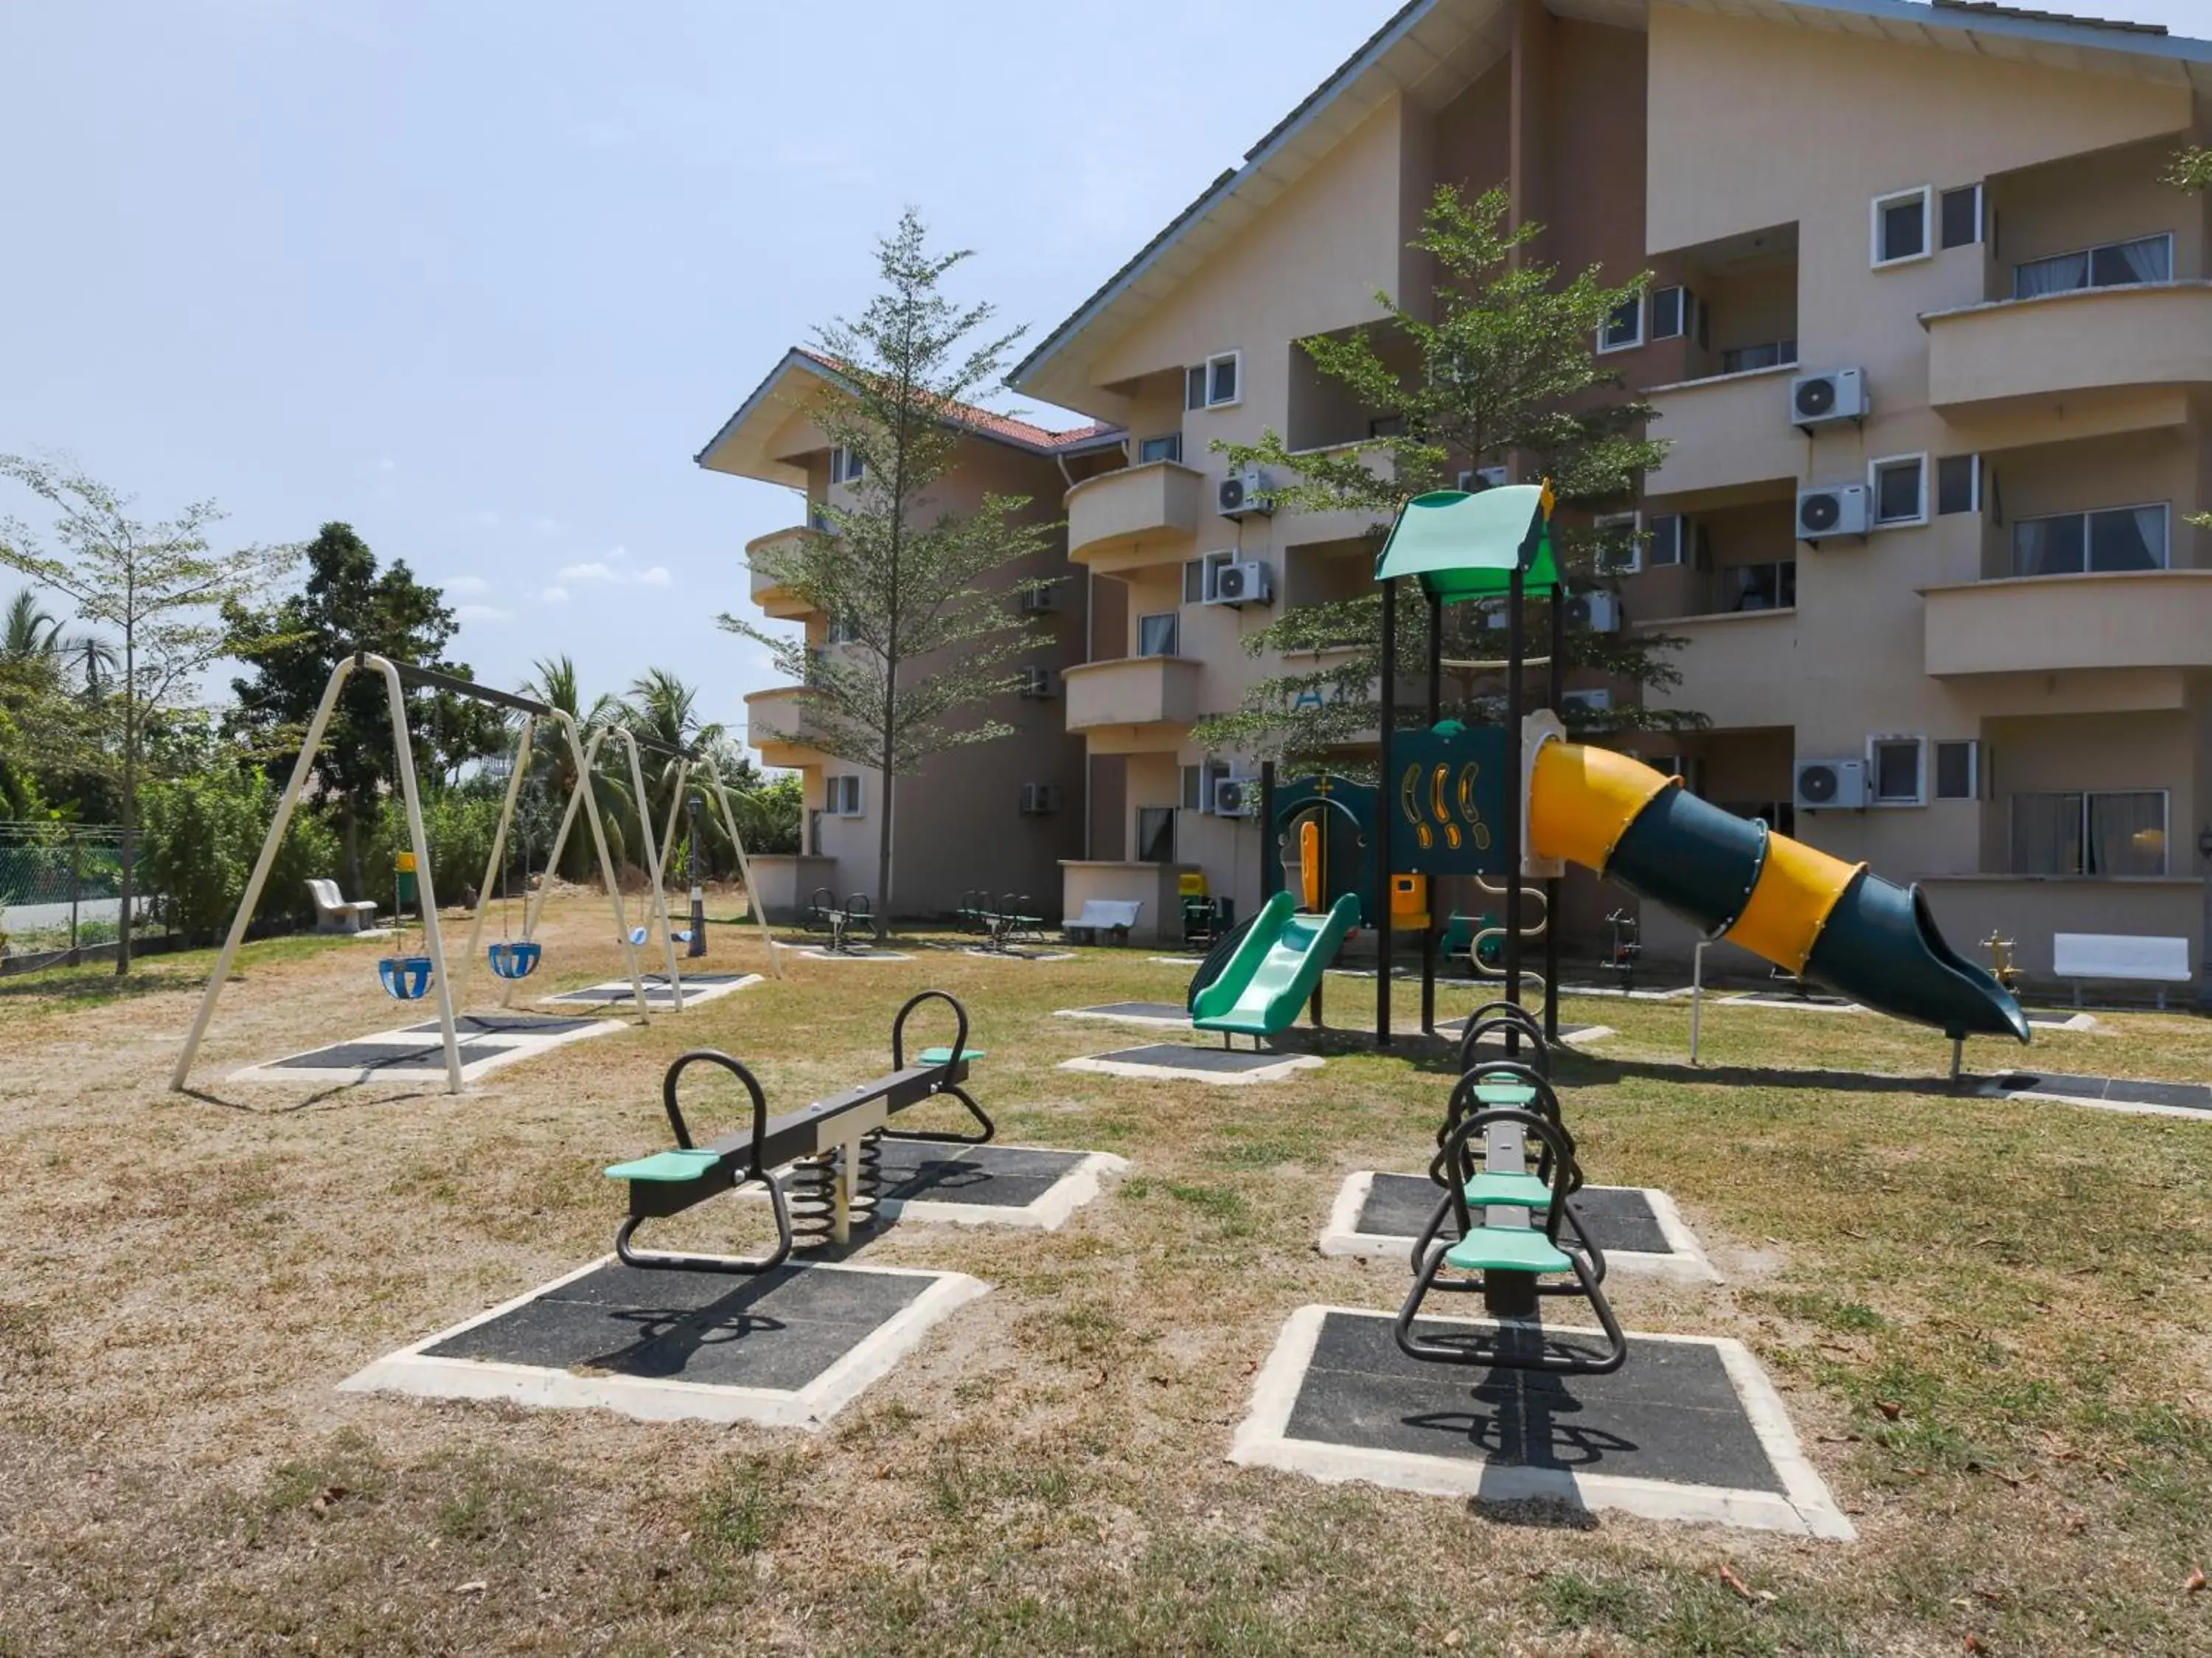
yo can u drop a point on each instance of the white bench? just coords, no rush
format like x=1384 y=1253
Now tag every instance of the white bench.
x=334 y=914
x=1105 y=915
x=2122 y=956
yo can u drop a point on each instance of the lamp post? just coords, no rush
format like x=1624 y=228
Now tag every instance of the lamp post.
x=694 y=805
x=2204 y=918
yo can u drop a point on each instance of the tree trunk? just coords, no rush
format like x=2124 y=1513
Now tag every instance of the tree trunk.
x=883 y=837
x=351 y=822
x=129 y=802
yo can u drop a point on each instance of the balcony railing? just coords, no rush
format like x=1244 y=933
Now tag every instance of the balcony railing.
x=1132 y=690
x=2079 y=340
x=1726 y=431
x=1739 y=669
x=1137 y=515
x=772 y=600
x=777 y=725
x=2155 y=619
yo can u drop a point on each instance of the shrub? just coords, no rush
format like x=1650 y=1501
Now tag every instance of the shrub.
x=202 y=834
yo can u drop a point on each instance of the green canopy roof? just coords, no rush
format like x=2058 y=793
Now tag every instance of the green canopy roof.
x=1463 y=546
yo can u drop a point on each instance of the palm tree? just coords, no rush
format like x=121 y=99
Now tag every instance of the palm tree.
x=555 y=682
x=30 y=636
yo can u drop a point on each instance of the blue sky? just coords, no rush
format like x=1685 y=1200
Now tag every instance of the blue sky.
x=481 y=278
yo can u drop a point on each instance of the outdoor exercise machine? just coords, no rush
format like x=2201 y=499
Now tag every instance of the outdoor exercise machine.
x=1002 y=923
x=1506 y=1218
x=824 y=914
x=1626 y=948
x=831 y=1149
x=398 y=678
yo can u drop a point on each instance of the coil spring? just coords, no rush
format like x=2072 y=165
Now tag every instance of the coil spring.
x=811 y=1191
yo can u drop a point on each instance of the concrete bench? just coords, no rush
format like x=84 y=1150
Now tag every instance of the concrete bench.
x=2123 y=957
x=1104 y=915
x=334 y=914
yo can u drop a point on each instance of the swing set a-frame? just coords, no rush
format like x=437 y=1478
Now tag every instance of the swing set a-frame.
x=408 y=977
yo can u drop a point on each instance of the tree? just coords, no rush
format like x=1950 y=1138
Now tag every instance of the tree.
x=1504 y=370
x=555 y=682
x=160 y=585
x=347 y=604
x=2192 y=171
x=903 y=574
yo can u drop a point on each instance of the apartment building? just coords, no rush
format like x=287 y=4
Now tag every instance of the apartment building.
x=1001 y=816
x=1933 y=345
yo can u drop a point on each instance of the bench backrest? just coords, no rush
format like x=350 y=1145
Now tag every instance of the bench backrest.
x=2120 y=955
x=326 y=893
x=1109 y=912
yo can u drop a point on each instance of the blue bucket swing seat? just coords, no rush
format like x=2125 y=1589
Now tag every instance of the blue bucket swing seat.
x=404 y=977
x=514 y=960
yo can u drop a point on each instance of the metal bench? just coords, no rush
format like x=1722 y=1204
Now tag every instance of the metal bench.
x=829 y=1148
x=2123 y=957
x=335 y=914
x=1115 y=915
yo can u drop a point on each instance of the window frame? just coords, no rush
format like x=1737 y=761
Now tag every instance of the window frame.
x=1173 y=439
x=2085 y=515
x=1981 y=217
x=1681 y=539
x=2086 y=795
x=1974 y=488
x=1896 y=739
x=1973 y=748
x=1685 y=313
x=1740 y=608
x=1137 y=833
x=841 y=785
x=836 y=631
x=846 y=465
x=1875 y=520
x=1173 y=620
x=1609 y=521
x=1925 y=195
x=2088 y=257
x=1639 y=304
x=1201 y=374
x=1204 y=567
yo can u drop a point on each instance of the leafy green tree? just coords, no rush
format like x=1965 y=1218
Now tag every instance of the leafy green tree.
x=347 y=603
x=2192 y=171
x=554 y=681
x=904 y=575
x=1500 y=370
x=161 y=585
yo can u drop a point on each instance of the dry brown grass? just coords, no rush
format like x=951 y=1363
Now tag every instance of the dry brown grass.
x=2024 y=1287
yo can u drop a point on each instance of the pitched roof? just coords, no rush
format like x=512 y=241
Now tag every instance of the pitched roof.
x=1430 y=50
x=725 y=452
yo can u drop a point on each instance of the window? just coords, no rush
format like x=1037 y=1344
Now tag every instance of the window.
x=1672 y=309
x=1899 y=485
x=1900 y=226
x=1957 y=769
x=2114 y=265
x=1198 y=783
x=844 y=797
x=1621 y=549
x=1475 y=479
x=1742 y=359
x=2089 y=834
x=1156 y=635
x=1213 y=383
x=1958 y=485
x=2117 y=539
x=817 y=518
x=846 y=465
x=1669 y=531
x=1759 y=587
x=1779 y=815
x=1389 y=425
x=1168 y=447
x=839 y=631
x=1155 y=834
x=1961 y=216
x=1893 y=767
x=1624 y=329
x=1198 y=577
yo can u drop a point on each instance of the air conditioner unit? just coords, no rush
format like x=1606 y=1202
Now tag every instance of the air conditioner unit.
x=1822 y=399
x=1599 y=613
x=1826 y=785
x=1038 y=798
x=1041 y=601
x=1235 y=797
x=1479 y=479
x=1243 y=494
x=1833 y=509
x=1596 y=700
x=1240 y=584
x=1038 y=683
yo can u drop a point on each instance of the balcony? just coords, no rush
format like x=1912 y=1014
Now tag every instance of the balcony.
x=1725 y=432
x=1133 y=692
x=776 y=724
x=2060 y=344
x=2152 y=619
x=1738 y=668
x=775 y=600
x=1137 y=515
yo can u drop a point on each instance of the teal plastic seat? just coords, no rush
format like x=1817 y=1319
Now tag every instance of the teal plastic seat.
x=1509 y=1191
x=1518 y=1095
x=674 y=1166
x=942 y=1055
x=1507 y=1249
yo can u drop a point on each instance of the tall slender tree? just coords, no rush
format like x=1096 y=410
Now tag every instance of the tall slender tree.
x=1500 y=369
x=904 y=575
x=161 y=586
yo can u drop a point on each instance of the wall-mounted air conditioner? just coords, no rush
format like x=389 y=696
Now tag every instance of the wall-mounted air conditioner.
x=1832 y=509
x=1598 y=699
x=1039 y=683
x=1823 y=398
x=1039 y=798
x=1249 y=584
x=1040 y=601
x=1243 y=494
x=1828 y=785
x=1597 y=612
x=1235 y=797
x=1476 y=479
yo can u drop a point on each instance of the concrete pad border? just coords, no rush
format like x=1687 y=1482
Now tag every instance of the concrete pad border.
x=508 y=1047
x=1289 y=1064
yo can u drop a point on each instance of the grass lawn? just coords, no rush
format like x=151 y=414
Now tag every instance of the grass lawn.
x=1988 y=1319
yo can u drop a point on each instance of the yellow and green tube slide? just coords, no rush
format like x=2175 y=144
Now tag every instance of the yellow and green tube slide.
x=1835 y=922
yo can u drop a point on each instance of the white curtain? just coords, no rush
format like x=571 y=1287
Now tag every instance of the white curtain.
x=2148 y=261
x=2127 y=834
x=2052 y=275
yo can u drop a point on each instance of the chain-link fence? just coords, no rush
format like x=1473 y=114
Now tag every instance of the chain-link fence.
x=61 y=892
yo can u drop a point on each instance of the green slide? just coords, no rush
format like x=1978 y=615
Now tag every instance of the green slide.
x=1274 y=969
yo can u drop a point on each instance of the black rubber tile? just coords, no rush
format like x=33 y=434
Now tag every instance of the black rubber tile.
x=387 y=1056
x=1174 y=1056
x=507 y=1024
x=1670 y=1414
x=2127 y=1091
x=1616 y=1218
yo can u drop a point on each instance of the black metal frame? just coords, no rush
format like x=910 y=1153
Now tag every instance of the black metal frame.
x=723 y=1177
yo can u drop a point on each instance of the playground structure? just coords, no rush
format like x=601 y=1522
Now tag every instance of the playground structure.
x=1511 y=804
x=1002 y=923
x=824 y=914
x=831 y=1148
x=431 y=973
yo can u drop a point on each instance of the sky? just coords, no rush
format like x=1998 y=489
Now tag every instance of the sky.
x=480 y=279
